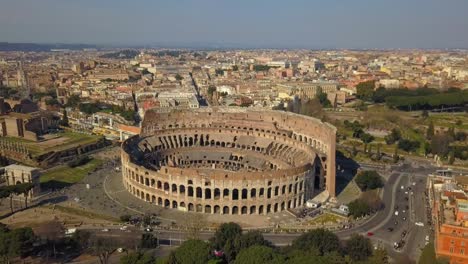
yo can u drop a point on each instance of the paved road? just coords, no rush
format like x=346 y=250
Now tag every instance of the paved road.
x=393 y=196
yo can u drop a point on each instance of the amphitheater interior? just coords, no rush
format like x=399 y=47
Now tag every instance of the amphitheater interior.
x=230 y=160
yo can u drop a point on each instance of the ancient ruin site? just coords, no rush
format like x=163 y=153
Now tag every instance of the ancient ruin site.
x=230 y=160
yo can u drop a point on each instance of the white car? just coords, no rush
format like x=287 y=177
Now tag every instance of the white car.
x=105 y=230
x=427 y=238
x=396 y=212
x=402 y=187
x=123 y=228
x=419 y=223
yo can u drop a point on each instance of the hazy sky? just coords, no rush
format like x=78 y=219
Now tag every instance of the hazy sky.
x=266 y=23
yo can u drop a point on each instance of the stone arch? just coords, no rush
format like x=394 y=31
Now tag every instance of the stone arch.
x=235 y=195
x=253 y=209
x=253 y=193
x=276 y=190
x=275 y=208
x=207 y=193
x=160 y=201
x=260 y=209
x=153 y=199
x=282 y=206
x=283 y=189
x=167 y=203
x=226 y=193
x=235 y=210
x=174 y=188
x=166 y=186
x=244 y=210
x=181 y=189
x=174 y=204
x=199 y=208
x=216 y=209
x=191 y=207
x=268 y=208
x=217 y=193
x=208 y=209
x=244 y=194
x=225 y=210
x=199 y=192
x=190 y=191
x=182 y=204
x=261 y=193
x=159 y=185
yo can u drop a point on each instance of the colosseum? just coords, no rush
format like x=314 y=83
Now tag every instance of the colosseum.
x=229 y=160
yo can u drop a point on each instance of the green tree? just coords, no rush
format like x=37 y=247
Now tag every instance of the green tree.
x=396 y=157
x=137 y=258
x=408 y=145
x=16 y=243
x=64 y=121
x=148 y=240
x=393 y=137
x=451 y=157
x=211 y=90
x=179 y=77
x=244 y=241
x=378 y=153
x=323 y=99
x=73 y=101
x=226 y=232
x=359 y=248
x=430 y=131
x=125 y=218
x=425 y=114
x=191 y=252
x=358 y=208
x=258 y=254
x=365 y=90
x=369 y=180
x=321 y=239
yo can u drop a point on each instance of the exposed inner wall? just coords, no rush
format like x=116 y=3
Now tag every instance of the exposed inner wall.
x=230 y=161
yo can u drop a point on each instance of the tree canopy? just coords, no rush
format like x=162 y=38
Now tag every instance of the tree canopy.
x=258 y=254
x=323 y=240
x=359 y=248
x=369 y=180
x=191 y=252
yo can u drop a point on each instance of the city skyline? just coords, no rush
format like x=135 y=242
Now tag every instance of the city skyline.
x=360 y=24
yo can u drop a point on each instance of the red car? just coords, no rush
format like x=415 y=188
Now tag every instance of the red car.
x=370 y=234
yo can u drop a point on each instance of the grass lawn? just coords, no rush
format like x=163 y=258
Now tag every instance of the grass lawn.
x=60 y=142
x=326 y=218
x=64 y=176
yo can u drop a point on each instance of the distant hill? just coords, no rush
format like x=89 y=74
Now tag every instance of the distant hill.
x=7 y=46
x=123 y=54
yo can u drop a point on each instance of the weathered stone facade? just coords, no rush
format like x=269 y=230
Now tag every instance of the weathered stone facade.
x=229 y=160
x=17 y=174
